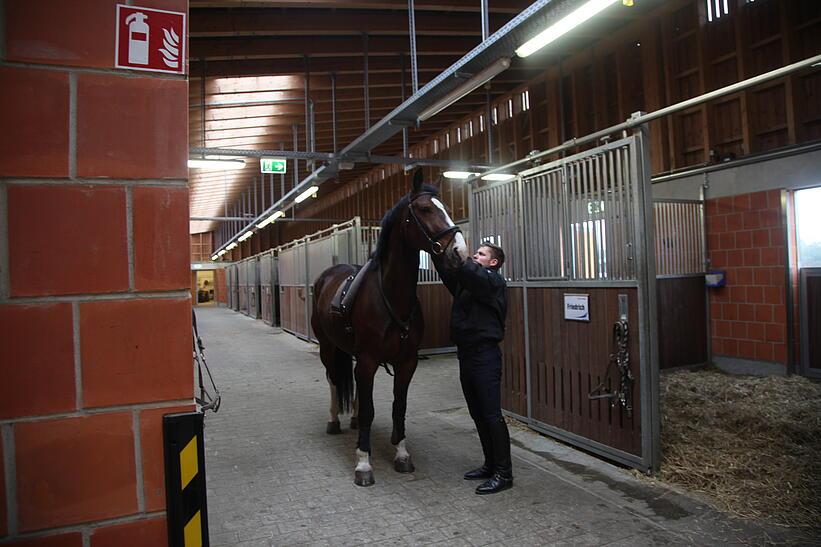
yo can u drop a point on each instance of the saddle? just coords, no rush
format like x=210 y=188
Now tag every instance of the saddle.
x=343 y=300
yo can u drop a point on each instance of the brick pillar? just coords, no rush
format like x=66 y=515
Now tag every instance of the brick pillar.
x=746 y=238
x=95 y=313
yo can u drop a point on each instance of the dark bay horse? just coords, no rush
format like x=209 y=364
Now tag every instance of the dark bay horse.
x=384 y=323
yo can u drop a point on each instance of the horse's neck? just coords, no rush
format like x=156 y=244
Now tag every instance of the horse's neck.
x=400 y=271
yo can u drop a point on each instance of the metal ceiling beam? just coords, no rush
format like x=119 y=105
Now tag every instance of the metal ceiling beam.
x=502 y=43
x=367 y=158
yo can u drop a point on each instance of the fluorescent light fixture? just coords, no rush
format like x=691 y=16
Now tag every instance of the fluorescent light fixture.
x=215 y=257
x=478 y=80
x=245 y=236
x=306 y=194
x=458 y=174
x=270 y=219
x=563 y=26
x=224 y=165
x=232 y=246
x=498 y=176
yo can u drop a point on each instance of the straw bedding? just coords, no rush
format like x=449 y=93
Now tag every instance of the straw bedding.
x=751 y=445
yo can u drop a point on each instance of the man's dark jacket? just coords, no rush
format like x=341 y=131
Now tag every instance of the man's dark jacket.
x=479 y=304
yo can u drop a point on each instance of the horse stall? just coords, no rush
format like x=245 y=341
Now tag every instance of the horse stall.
x=233 y=286
x=301 y=261
x=269 y=288
x=242 y=284
x=681 y=296
x=253 y=288
x=580 y=353
x=229 y=286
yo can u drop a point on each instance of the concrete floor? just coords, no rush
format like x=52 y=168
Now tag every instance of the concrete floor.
x=275 y=478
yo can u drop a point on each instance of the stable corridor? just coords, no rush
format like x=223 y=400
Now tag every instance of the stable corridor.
x=275 y=478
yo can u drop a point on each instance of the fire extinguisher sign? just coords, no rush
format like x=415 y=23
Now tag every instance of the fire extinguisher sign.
x=150 y=39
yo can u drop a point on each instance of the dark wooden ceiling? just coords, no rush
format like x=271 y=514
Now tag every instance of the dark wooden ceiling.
x=256 y=53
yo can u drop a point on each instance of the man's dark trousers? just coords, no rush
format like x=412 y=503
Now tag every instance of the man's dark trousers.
x=480 y=373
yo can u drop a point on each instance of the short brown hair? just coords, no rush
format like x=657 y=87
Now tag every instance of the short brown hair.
x=497 y=252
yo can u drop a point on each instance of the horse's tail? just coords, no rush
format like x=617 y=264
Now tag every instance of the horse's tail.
x=343 y=372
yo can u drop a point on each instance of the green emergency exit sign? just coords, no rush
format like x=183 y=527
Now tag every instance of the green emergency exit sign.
x=273 y=165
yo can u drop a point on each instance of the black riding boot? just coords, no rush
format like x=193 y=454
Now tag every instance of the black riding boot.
x=486 y=471
x=502 y=478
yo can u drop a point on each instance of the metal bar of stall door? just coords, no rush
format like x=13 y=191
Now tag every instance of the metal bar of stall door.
x=553 y=188
x=645 y=269
x=530 y=204
x=624 y=197
x=613 y=204
x=605 y=225
x=523 y=246
x=534 y=239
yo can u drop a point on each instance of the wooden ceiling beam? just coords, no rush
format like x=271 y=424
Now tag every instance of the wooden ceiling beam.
x=509 y=6
x=331 y=46
x=281 y=22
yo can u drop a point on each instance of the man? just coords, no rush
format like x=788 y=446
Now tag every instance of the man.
x=477 y=326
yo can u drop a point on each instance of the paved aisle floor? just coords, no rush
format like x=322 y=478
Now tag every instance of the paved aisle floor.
x=275 y=477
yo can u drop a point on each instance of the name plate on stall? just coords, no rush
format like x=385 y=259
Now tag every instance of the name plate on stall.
x=576 y=307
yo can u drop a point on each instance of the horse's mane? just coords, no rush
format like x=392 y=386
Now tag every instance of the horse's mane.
x=389 y=220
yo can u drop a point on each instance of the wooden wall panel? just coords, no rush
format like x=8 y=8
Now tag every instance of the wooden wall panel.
x=682 y=321
x=514 y=377
x=435 y=302
x=292 y=302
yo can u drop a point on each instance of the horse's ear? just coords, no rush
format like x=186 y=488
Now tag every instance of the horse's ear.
x=418 y=178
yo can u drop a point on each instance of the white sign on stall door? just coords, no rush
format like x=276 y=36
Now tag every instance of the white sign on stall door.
x=576 y=307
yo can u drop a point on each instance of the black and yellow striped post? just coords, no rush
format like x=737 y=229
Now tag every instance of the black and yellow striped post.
x=186 y=510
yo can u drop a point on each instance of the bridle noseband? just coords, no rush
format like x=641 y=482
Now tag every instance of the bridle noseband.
x=436 y=248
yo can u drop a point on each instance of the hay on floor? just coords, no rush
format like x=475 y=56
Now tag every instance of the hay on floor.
x=751 y=445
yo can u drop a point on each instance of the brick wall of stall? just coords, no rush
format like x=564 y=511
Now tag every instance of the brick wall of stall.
x=94 y=257
x=745 y=237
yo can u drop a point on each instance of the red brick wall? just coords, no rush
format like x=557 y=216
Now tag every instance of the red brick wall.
x=94 y=290
x=745 y=237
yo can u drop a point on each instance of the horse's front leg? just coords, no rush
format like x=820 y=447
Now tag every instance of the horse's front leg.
x=403 y=373
x=365 y=371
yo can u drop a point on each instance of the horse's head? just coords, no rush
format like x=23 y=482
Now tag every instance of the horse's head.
x=429 y=227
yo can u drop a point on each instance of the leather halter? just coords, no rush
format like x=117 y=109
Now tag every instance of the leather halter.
x=436 y=248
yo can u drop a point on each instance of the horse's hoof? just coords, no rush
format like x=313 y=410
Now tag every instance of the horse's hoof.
x=363 y=478
x=333 y=428
x=354 y=422
x=404 y=466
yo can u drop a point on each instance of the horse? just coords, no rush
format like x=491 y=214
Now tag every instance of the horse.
x=383 y=324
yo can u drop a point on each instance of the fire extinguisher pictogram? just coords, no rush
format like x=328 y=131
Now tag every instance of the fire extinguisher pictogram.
x=137 y=38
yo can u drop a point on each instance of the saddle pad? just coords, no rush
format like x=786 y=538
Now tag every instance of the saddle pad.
x=346 y=293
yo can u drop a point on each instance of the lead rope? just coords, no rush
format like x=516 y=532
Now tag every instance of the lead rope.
x=205 y=400
x=619 y=360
